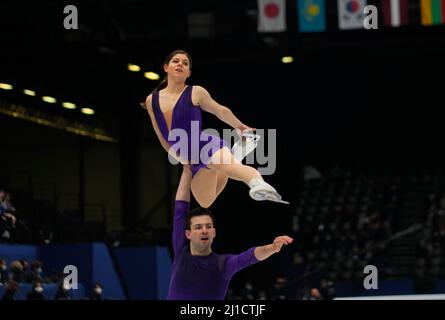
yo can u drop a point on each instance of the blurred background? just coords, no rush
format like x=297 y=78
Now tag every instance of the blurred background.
x=357 y=113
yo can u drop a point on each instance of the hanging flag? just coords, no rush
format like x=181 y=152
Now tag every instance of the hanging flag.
x=395 y=12
x=432 y=12
x=271 y=15
x=311 y=15
x=350 y=14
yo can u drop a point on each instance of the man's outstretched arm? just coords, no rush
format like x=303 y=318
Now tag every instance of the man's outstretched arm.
x=182 y=206
x=236 y=263
x=264 y=252
x=183 y=191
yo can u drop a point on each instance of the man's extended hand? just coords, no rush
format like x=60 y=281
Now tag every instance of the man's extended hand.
x=280 y=241
x=264 y=252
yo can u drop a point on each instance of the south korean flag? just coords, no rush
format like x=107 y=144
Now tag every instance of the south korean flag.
x=350 y=14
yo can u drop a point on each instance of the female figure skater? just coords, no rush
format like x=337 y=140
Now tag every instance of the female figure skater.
x=175 y=105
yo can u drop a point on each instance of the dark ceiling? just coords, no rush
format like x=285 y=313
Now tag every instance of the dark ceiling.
x=88 y=65
x=345 y=89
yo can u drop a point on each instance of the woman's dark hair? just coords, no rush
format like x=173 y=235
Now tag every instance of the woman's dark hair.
x=163 y=82
x=198 y=212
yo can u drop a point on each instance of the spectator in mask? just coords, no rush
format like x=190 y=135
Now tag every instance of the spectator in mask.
x=36 y=293
x=35 y=274
x=97 y=292
x=63 y=292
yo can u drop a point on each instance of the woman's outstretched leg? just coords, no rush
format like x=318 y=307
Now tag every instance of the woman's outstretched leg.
x=223 y=161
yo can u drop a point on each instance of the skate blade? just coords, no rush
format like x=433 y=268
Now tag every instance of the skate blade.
x=273 y=198
x=281 y=201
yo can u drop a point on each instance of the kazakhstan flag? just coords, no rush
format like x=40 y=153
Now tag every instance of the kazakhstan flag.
x=311 y=15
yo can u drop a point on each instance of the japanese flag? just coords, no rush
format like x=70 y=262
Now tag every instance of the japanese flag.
x=271 y=15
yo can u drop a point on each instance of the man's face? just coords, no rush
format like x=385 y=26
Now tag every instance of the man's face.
x=2 y=195
x=201 y=232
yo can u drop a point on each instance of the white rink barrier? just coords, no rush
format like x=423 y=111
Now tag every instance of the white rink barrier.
x=398 y=297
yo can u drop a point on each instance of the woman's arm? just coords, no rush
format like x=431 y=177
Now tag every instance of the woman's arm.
x=206 y=102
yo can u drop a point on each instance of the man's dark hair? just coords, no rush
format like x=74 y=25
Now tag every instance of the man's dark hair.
x=198 y=212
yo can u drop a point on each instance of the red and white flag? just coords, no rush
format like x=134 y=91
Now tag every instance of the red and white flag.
x=395 y=12
x=271 y=15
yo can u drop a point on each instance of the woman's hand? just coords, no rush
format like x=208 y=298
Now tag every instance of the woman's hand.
x=243 y=129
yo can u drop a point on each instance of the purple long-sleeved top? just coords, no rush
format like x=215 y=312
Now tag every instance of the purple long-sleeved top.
x=201 y=277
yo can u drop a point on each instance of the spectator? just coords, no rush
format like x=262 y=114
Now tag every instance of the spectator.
x=315 y=294
x=36 y=293
x=327 y=289
x=35 y=274
x=3 y=272
x=312 y=294
x=63 y=292
x=97 y=292
x=10 y=291
x=25 y=265
x=7 y=218
x=16 y=271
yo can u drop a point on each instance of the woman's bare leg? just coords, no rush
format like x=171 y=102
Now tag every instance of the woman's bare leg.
x=221 y=182
x=206 y=186
x=223 y=161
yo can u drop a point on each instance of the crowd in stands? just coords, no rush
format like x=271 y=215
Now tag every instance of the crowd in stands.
x=26 y=223
x=24 y=219
x=20 y=273
x=7 y=216
x=343 y=221
x=281 y=290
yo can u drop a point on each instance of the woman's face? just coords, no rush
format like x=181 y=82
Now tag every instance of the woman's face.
x=179 y=66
